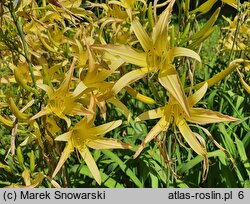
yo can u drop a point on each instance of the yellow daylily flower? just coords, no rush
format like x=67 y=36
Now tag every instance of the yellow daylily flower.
x=62 y=102
x=173 y=112
x=82 y=137
x=158 y=55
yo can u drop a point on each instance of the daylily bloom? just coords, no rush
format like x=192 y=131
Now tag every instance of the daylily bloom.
x=62 y=102
x=158 y=55
x=82 y=137
x=173 y=113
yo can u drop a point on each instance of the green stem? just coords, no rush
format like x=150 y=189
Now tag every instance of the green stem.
x=20 y=31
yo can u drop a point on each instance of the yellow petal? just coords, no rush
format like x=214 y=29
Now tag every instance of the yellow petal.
x=191 y=139
x=44 y=111
x=128 y=54
x=185 y=52
x=64 y=87
x=62 y=116
x=92 y=68
x=64 y=137
x=54 y=183
x=141 y=35
x=113 y=62
x=205 y=163
x=86 y=155
x=203 y=116
x=129 y=78
x=106 y=143
x=79 y=90
x=128 y=4
x=151 y=114
x=77 y=109
x=64 y=156
x=172 y=83
x=161 y=125
x=160 y=31
x=47 y=89
x=102 y=129
x=197 y=96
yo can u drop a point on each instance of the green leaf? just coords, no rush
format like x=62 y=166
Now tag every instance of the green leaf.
x=243 y=155
x=189 y=165
x=106 y=180
x=123 y=167
x=227 y=140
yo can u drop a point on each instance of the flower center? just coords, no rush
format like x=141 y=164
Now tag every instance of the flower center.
x=78 y=139
x=57 y=104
